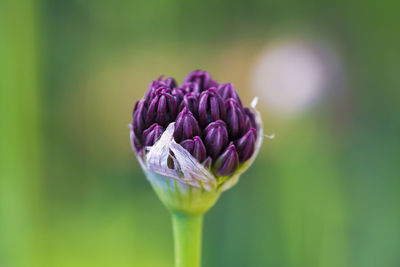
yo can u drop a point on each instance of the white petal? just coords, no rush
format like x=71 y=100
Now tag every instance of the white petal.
x=186 y=168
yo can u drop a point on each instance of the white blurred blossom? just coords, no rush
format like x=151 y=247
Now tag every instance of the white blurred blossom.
x=290 y=75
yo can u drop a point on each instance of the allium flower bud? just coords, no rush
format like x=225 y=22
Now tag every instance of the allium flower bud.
x=136 y=143
x=194 y=140
x=190 y=158
x=139 y=113
x=152 y=134
x=251 y=117
x=178 y=93
x=191 y=102
x=195 y=147
x=186 y=126
x=202 y=78
x=191 y=87
x=235 y=118
x=211 y=107
x=154 y=85
x=246 y=145
x=162 y=109
x=169 y=82
x=226 y=91
x=227 y=163
x=216 y=138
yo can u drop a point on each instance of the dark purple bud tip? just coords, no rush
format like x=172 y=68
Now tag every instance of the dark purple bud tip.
x=167 y=84
x=139 y=114
x=191 y=102
x=137 y=145
x=170 y=82
x=226 y=90
x=202 y=78
x=211 y=107
x=228 y=162
x=251 y=117
x=196 y=148
x=152 y=134
x=163 y=89
x=190 y=87
x=178 y=93
x=235 y=118
x=186 y=126
x=162 y=109
x=246 y=145
x=216 y=138
x=151 y=91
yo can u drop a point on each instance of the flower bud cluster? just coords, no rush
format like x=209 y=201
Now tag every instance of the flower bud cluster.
x=210 y=121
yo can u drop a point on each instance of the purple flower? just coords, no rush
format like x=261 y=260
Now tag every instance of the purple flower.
x=246 y=145
x=227 y=163
x=193 y=141
x=186 y=126
x=191 y=102
x=162 y=108
x=235 y=118
x=178 y=93
x=168 y=84
x=152 y=134
x=226 y=91
x=250 y=117
x=195 y=147
x=190 y=87
x=137 y=145
x=210 y=121
x=201 y=78
x=216 y=138
x=211 y=107
x=139 y=113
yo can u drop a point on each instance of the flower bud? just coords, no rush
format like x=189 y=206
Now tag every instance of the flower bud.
x=191 y=87
x=190 y=101
x=178 y=93
x=154 y=85
x=235 y=118
x=162 y=108
x=202 y=78
x=163 y=89
x=186 y=126
x=216 y=138
x=226 y=90
x=195 y=147
x=251 y=117
x=139 y=114
x=152 y=89
x=194 y=140
x=152 y=134
x=211 y=107
x=170 y=82
x=228 y=162
x=246 y=145
x=136 y=144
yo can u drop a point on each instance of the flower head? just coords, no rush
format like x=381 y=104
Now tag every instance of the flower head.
x=197 y=135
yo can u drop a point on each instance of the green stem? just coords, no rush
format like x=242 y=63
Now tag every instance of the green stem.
x=187 y=239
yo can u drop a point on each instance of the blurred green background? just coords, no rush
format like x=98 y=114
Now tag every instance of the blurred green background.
x=323 y=193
